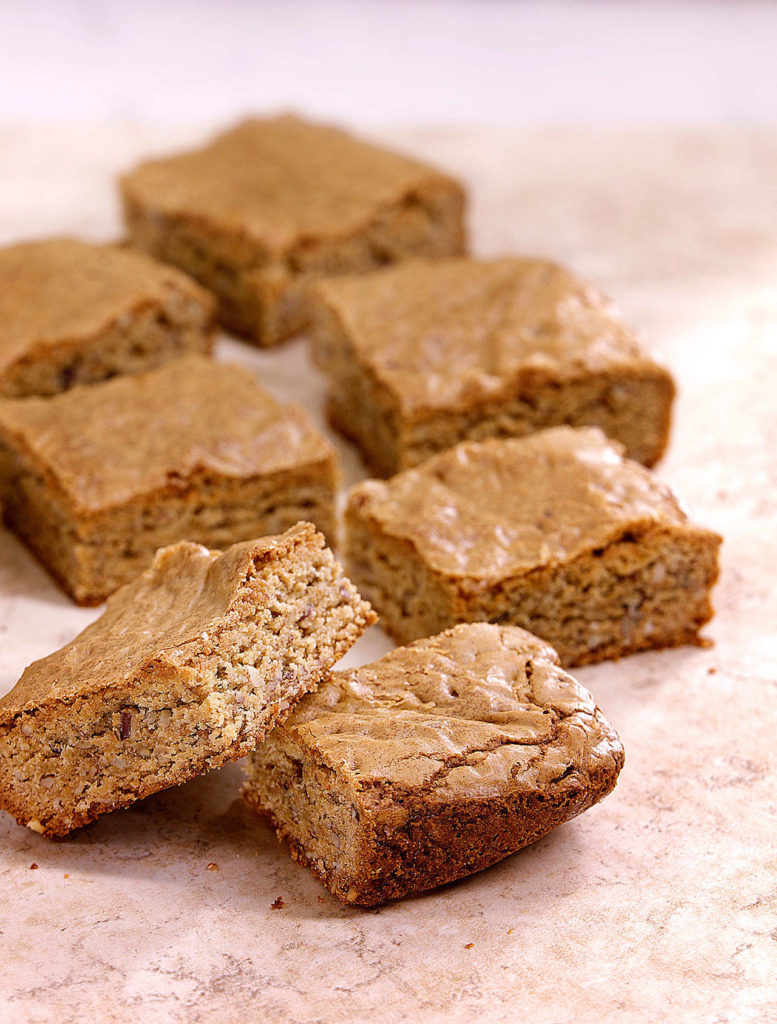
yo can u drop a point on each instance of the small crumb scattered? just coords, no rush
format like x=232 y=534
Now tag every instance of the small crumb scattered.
x=711 y=670
x=67 y=876
x=33 y=867
x=320 y=899
x=469 y=945
x=277 y=904
x=509 y=931
x=213 y=866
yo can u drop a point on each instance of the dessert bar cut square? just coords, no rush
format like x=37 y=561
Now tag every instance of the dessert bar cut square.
x=556 y=532
x=434 y=762
x=74 y=313
x=186 y=669
x=96 y=479
x=274 y=203
x=422 y=356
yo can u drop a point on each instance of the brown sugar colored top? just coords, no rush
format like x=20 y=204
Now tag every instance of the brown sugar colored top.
x=111 y=442
x=466 y=713
x=506 y=506
x=278 y=183
x=188 y=591
x=442 y=334
x=62 y=289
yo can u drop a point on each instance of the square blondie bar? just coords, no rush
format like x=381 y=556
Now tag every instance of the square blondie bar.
x=74 y=313
x=422 y=356
x=96 y=479
x=274 y=203
x=432 y=763
x=187 y=668
x=556 y=532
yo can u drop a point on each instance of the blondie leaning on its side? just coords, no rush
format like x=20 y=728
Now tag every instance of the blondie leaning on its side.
x=186 y=669
x=436 y=761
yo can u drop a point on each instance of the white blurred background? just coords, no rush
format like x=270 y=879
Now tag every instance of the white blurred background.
x=391 y=61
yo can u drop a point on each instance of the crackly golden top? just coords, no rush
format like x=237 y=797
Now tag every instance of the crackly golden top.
x=63 y=290
x=131 y=436
x=188 y=594
x=279 y=182
x=444 y=333
x=468 y=712
x=492 y=508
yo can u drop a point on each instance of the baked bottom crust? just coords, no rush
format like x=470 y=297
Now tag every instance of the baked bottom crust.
x=185 y=709
x=383 y=791
x=645 y=590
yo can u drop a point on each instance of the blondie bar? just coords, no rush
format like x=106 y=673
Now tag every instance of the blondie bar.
x=555 y=532
x=272 y=204
x=434 y=762
x=186 y=669
x=422 y=356
x=96 y=479
x=75 y=313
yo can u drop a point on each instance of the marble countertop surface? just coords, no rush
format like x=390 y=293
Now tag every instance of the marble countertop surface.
x=659 y=904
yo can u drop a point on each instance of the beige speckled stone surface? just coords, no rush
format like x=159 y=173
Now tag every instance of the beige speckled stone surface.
x=658 y=905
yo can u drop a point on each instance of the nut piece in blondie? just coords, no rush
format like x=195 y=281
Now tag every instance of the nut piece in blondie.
x=272 y=204
x=432 y=763
x=556 y=532
x=187 y=668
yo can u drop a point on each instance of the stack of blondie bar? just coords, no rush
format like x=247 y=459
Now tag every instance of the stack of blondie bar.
x=513 y=528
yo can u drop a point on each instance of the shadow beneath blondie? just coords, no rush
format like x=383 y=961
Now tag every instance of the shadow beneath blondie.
x=186 y=839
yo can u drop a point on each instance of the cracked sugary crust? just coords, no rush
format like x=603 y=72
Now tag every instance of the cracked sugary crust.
x=421 y=356
x=76 y=313
x=555 y=532
x=270 y=205
x=187 y=668
x=433 y=762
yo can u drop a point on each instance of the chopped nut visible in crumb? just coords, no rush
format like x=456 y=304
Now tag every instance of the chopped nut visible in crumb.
x=277 y=904
x=125 y=730
x=213 y=866
x=33 y=867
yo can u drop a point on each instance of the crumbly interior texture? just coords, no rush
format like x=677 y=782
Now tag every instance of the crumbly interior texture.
x=434 y=762
x=97 y=479
x=555 y=533
x=187 y=669
x=274 y=204
x=420 y=357
x=74 y=313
